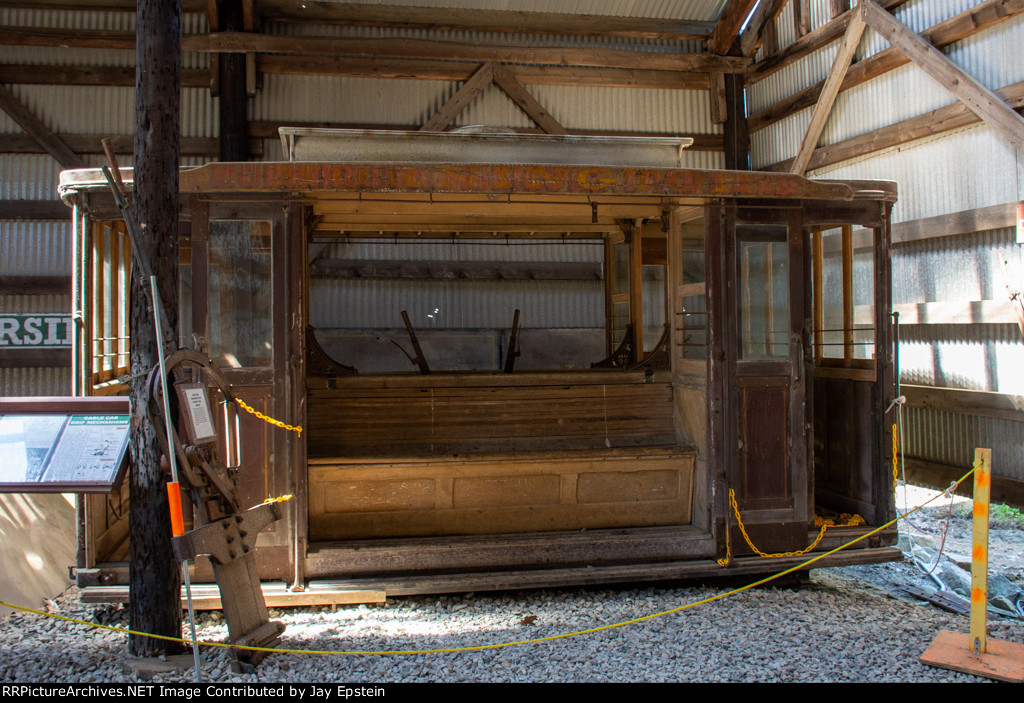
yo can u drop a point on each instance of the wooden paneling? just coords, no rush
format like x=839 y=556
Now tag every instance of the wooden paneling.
x=494 y=494
x=353 y=421
x=764 y=471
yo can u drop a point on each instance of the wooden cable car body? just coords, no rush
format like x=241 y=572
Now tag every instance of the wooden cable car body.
x=769 y=373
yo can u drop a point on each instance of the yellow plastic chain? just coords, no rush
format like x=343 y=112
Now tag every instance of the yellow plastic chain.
x=266 y=418
x=823 y=523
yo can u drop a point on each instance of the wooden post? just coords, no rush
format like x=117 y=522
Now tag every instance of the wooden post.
x=155 y=580
x=737 y=139
x=234 y=124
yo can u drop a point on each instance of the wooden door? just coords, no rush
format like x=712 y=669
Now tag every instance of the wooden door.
x=766 y=427
x=240 y=309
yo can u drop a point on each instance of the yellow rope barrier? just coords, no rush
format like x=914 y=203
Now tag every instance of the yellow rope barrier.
x=500 y=645
x=267 y=418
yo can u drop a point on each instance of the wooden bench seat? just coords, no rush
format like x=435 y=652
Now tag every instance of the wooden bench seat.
x=437 y=414
x=494 y=453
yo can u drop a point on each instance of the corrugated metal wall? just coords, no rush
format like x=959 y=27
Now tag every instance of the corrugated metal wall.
x=44 y=248
x=962 y=170
x=347 y=303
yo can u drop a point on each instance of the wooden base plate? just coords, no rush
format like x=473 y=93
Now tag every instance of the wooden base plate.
x=1003 y=661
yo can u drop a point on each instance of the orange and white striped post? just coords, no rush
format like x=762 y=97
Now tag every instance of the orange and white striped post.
x=973 y=653
x=979 y=549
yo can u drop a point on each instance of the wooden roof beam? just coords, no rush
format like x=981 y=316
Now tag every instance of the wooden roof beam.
x=241 y=42
x=982 y=101
x=507 y=81
x=767 y=11
x=807 y=44
x=728 y=26
x=424 y=69
x=483 y=20
x=944 y=119
x=466 y=94
x=965 y=24
x=38 y=130
x=847 y=48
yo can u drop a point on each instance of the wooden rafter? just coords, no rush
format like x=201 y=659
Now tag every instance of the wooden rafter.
x=965 y=24
x=944 y=119
x=235 y=42
x=504 y=78
x=801 y=17
x=38 y=130
x=244 y=42
x=728 y=26
x=847 y=47
x=466 y=93
x=807 y=44
x=430 y=69
x=483 y=20
x=507 y=81
x=766 y=12
x=982 y=101
x=123 y=144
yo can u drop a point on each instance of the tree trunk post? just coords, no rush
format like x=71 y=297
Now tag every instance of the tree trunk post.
x=155 y=605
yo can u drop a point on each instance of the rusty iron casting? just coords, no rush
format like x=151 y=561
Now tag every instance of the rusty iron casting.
x=227 y=534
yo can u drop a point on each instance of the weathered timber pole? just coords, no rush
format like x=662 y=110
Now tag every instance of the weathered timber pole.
x=155 y=605
x=234 y=124
x=737 y=140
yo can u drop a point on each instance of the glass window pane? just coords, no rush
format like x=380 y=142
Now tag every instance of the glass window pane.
x=764 y=299
x=621 y=268
x=693 y=266
x=695 y=327
x=239 y=330
x=832 y=293
x=653 y=305
x=863 y=304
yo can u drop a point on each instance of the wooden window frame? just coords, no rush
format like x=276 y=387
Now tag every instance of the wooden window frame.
x=110 y=293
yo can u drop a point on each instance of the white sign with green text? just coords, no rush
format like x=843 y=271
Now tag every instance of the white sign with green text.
x=35 y=331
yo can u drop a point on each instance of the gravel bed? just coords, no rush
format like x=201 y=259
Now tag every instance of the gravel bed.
x=851 y=624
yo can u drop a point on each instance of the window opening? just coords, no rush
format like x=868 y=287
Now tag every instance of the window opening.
x=111 y=278
x=240 y=325
x=843 y=281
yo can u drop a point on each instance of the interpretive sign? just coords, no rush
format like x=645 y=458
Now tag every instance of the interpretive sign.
x=55 y=451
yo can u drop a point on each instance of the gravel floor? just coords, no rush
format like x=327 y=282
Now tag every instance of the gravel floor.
x=848 y=624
